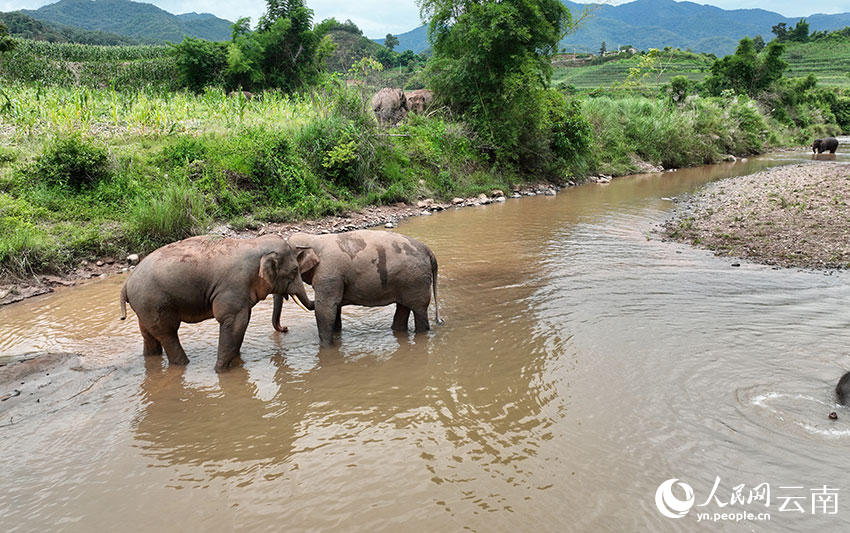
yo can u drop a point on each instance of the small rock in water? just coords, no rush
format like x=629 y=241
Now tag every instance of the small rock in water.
x=425 y=213
x=516 y=195
x=499 y=199
x=833 y=416
x=550 y=192
x=497 y=193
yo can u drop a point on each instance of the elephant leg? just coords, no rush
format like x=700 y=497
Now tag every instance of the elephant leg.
x=402 y=315
x=173 y=350
x=420 y=319
x=231 y=333
x=326 y=314
x=338 y=320
x=152 y=346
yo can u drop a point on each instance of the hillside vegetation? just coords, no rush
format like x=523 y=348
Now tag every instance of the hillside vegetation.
x=134 y=19
x=26 y=27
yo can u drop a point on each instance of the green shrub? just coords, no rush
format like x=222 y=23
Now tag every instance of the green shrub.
x=73 y=161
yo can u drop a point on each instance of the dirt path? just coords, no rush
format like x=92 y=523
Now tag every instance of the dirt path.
x=791 y=216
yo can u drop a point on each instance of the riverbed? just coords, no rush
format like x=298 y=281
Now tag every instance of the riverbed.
x=583 y=363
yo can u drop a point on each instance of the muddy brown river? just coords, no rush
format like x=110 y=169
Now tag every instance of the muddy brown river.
x=583 y=363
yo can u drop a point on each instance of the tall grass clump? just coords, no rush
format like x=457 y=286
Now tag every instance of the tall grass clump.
x=177 y=212
x=698 y=131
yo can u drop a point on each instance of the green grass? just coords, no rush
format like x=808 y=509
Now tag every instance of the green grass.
x=93 y=172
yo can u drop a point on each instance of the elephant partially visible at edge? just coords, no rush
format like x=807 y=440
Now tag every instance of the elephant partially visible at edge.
x=829 y=144
x=212 y=277
x=370 y=268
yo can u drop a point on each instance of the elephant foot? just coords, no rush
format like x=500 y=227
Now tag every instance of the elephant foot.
x=180 y=361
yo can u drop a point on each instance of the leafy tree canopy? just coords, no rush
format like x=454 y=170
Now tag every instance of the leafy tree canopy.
x=746 y=71
x=492 y=65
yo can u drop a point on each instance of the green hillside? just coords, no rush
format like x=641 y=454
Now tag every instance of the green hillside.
x=23 y=26
x=672 y=63
x=135 y=19
x=828 y=58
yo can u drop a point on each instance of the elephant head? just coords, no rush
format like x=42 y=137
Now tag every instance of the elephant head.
x=283 y=274
x=816 y=145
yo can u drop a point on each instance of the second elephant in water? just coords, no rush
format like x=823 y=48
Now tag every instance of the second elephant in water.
x=369 y=268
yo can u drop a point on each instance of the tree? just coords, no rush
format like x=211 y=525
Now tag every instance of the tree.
x=780 y=31
x=7 y=44
x=747 y=72
x=603 y=49
x=800 y=32
x=491 y=64
x=290 y=46
x=758 y=43
x=390 y=41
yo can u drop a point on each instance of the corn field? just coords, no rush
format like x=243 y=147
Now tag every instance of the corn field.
x=38 y=109
x=71 y=64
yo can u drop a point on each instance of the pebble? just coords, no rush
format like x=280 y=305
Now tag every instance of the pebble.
x=133 y=259
x=833 y=416
x=389 y=225
x=457 y=201
x=499 y=199
x=99 y=263
x=516 y=195
x=736 y=264
x=550 y=192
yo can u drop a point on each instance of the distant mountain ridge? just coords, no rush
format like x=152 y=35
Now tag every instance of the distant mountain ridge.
x=658 y=23
x=134 y=19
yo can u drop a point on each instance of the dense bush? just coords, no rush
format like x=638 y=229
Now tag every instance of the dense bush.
x=73 y=161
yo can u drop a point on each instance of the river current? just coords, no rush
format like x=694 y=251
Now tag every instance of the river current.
x=583 y=363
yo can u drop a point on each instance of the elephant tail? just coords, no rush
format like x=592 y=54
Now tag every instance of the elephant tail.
x=437 y=318
x=123 y=301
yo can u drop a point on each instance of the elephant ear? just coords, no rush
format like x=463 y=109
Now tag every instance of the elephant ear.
x=307 y=261
x=269 y=264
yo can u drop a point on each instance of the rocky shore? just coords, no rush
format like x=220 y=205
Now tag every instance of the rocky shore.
x=790 y=216
x=16 y=290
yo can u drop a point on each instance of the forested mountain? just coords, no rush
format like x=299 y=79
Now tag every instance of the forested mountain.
x=26 y=27
x=135 y=19
x=659 y=23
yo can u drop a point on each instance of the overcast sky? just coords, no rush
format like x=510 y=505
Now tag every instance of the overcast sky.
x=379 y=17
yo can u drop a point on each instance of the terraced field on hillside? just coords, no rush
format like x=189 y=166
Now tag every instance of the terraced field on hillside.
x=829 y=60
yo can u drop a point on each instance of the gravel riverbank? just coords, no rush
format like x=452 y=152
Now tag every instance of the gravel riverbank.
x=790 y=216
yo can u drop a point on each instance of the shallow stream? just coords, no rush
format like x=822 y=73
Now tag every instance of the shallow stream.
x=583 y=363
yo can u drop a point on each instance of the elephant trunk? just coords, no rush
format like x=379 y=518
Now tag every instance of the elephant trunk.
x=300 y=294
x=278 y=306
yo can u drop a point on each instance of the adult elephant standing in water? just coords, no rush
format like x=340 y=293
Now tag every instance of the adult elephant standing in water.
x=369 y=268
x=829 y=144
x=205 y=277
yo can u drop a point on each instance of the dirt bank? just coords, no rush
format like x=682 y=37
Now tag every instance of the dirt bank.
x=16 y=290
x=791 y=216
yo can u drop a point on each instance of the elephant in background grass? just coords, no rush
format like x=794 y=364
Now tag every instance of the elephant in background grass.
x=204 y=277
x=369 y=268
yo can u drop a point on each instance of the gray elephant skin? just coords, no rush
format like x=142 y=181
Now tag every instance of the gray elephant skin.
x=211 y=277
x=829 y=144
x=369 y=268
x=389 y=105
x=842 y=389
x=419 y=101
